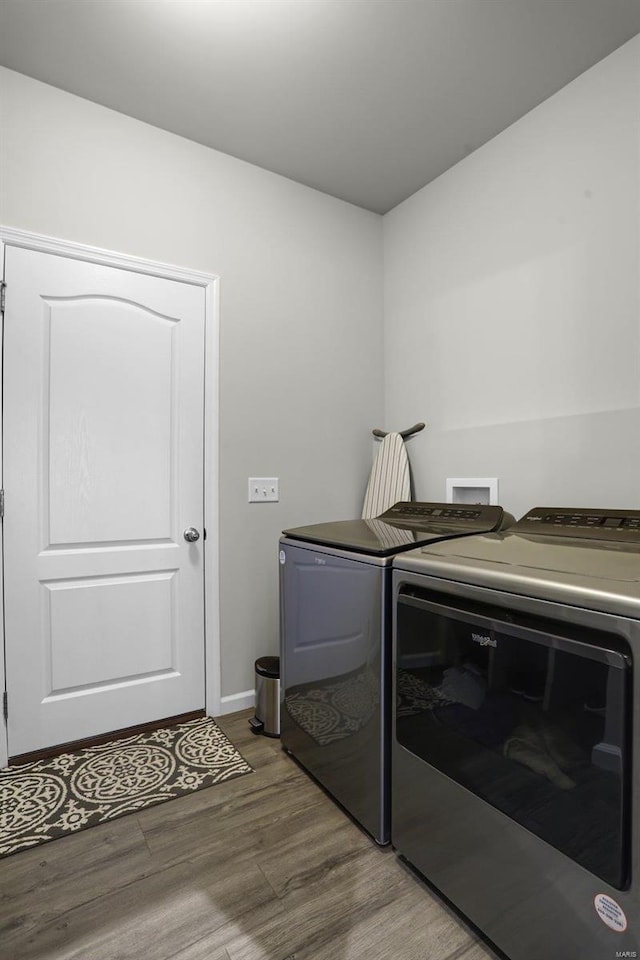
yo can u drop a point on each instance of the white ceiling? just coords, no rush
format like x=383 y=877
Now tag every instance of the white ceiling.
x=367 y=100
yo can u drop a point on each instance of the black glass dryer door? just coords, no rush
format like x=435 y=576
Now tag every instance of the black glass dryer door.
x=528 y=714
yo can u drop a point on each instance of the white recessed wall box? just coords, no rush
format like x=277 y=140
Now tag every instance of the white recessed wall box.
x=472 y=490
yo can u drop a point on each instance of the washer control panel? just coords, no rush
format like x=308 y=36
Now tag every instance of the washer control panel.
x=416 y=513
x=623 y=525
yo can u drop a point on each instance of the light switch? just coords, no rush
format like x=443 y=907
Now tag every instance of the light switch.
x=263 y=489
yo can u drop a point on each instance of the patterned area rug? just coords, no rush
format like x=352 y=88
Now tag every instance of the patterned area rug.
x=47 y=799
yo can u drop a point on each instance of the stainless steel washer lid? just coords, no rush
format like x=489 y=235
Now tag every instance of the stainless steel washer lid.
x=403 y=526
x=566 y=559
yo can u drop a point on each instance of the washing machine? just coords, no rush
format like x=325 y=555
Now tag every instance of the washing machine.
x=335 y=645
x=515 y=736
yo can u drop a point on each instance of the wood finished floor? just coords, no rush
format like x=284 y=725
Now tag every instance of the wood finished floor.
x=264 y=867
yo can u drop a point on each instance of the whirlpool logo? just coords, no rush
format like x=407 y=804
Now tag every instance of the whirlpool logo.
x=483 y=640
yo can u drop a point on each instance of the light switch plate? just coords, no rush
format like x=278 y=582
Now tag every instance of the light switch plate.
x=263 y=489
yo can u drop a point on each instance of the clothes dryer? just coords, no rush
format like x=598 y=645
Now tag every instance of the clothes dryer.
x=335 y=644
x=516 y=730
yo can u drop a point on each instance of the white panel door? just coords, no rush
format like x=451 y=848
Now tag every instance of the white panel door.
x=103 y=473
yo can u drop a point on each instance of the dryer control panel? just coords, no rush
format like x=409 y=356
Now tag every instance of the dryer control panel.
x=579 y=522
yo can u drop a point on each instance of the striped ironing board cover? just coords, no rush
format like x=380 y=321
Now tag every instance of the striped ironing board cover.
x=390 y=479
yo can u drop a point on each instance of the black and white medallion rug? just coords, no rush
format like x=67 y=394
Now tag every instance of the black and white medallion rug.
x=47 y=799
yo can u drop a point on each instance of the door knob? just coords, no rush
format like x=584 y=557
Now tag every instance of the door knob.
x=191 y=535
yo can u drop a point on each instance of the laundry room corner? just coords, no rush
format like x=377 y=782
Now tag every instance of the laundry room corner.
x=319 y=489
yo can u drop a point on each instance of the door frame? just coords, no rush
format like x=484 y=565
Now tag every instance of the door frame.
x=210 y=283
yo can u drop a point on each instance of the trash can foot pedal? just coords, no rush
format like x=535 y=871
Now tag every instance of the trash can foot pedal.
x=257 y=726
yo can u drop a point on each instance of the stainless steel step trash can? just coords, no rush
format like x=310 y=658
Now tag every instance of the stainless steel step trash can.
x=267 y=718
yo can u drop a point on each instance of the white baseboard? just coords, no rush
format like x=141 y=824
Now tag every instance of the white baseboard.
x=237 y=701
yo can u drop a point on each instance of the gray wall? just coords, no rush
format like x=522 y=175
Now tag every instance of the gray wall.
x=300 y=314
x=512 y=302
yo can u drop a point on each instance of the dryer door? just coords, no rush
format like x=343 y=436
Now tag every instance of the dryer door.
x=528 y=714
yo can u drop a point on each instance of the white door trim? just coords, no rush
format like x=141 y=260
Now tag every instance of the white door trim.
x=210 y=284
